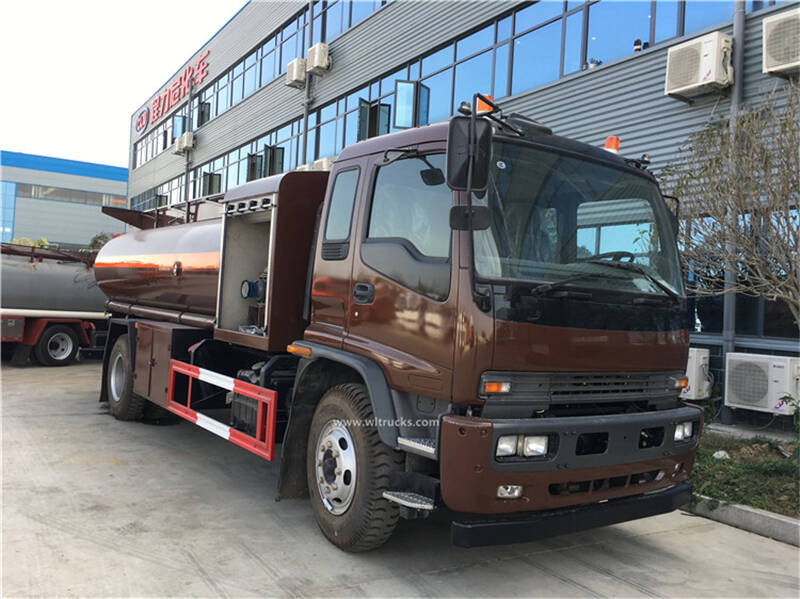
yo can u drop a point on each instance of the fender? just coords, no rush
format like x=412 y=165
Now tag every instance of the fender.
x=374 y=379
x=314 y=376
x=34 y=327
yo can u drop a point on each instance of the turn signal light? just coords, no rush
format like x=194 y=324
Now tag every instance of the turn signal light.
x=299 y=350
x=496 y=387
x=681 y=383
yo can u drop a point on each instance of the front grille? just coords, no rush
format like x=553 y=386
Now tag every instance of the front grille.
x=567 y=388
x=558 y=388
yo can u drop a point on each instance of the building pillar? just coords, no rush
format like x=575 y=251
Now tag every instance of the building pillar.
x=729 y=299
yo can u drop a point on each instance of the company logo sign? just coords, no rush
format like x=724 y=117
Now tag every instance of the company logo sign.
x=143 y=120
x=173 y=93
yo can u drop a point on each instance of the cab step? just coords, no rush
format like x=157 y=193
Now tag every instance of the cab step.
x=420 y=446
x=415 y=501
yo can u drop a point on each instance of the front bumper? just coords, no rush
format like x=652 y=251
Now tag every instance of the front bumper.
x=470 y=474
x=502 y=531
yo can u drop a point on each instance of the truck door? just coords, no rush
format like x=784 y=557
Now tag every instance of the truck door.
x=330 y=284
x=403 y=293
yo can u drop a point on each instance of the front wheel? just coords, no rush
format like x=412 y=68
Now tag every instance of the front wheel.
x=348 y=470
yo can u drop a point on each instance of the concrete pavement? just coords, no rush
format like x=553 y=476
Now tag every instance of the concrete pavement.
x=97 y=507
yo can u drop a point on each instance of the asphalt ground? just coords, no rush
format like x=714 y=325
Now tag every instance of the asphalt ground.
x=96 y=507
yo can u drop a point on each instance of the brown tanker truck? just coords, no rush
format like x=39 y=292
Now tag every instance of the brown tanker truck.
x=477 y=316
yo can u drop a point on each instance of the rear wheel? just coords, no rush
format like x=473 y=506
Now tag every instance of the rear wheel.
x=348 y=470
x=57 y=346
x=122 y=402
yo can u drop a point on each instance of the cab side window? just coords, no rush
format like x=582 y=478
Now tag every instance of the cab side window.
x=408 y=238
x=336 y=243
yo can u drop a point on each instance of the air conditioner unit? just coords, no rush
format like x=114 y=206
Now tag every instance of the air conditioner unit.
x=183 y=143
x=699 y=66
x=758 y=382
x=700 y=379
x=305 y=167
x=318 y=61
x=323 y=164
x=780 y=42
x=296 y=73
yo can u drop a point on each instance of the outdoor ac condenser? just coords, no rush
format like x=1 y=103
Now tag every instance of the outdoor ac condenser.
x=296 y=73
x=318 y=60
x=780 y=49
x=323 y=164
x=759 y=382
x=698 y=374
x=183 y=143
x=699 y=66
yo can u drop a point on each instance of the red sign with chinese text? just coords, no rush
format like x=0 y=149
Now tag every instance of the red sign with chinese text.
x=173 y=93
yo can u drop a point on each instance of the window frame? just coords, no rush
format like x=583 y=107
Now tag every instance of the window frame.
x=416 y=253
x=343 y=243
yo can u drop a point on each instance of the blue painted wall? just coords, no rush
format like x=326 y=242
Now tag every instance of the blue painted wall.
x=60 y=165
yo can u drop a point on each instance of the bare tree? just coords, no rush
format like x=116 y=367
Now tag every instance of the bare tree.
x=99 y=240
x=739 y=184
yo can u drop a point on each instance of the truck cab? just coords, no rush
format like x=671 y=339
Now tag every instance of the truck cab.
x=546 y=373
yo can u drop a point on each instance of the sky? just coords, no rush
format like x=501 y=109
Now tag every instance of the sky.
x=73 y=71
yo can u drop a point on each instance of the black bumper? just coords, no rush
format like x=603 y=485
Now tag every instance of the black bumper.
x=539 y=525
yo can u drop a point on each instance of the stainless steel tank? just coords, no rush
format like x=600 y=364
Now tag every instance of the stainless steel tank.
x=48 y=284
x=174 y=268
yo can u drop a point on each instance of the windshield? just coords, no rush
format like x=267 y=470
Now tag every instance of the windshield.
x=555 y=217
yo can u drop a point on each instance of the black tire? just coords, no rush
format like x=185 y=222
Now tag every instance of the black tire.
x=57 y=346
x=369 y=519
x=123 y=403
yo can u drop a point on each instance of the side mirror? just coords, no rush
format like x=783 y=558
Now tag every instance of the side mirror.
x=432 y=176
x=459 y=218
x=458 y=153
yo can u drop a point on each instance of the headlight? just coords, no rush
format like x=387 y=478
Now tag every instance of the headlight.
x=506 y=446
x=535 y=446
x=509 y=491
x=684 y=431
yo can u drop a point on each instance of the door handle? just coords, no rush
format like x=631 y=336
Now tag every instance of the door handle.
x=363 y=293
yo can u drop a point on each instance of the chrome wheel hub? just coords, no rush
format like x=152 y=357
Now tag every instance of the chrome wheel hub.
x=60 y=346
x=117 y=381
x=336 y=467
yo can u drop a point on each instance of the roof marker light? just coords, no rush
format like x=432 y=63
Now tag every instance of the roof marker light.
x=483 y=106
x=612 y=144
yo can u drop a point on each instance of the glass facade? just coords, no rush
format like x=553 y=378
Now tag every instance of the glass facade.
x=8 y=197
x=516 y=52
x=261 y=66
x=43 y=192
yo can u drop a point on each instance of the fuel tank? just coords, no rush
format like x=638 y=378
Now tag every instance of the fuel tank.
x=35 y=282
x=174 y=268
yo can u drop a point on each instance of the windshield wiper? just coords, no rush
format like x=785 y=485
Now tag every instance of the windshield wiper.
x=638 y=269
x=546 y=288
